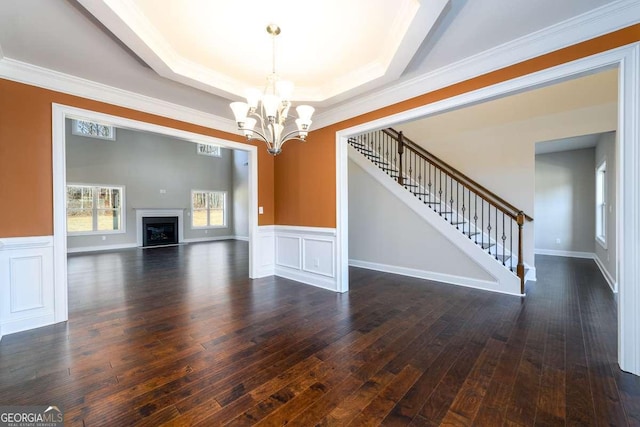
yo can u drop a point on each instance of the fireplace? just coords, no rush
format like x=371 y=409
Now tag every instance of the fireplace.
x=159 y=230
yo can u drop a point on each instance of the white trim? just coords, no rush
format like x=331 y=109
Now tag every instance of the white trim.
x=208 y=239
x=23 y=72
x=450 y=279
x=627 y=59
x=82 y=249
x=568 y=254
x=531 y=273
x=7 y=243
x=597 y=22
x=59 y=114
x=305 y=277
x=243 y=238
x=610 y=280
x=325 y=231
x=150 y=212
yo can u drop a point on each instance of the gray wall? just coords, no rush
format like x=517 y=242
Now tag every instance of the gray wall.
x=606 y=148
x=565 y=201
x=384 y=230
x=146 y=163
x=240 y=193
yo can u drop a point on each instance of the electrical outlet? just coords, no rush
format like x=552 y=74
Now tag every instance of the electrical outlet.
x=163 y=191
x=260 y=210
x=316 y=262
x=104 y=237
x=206 y=231
x=558 y=241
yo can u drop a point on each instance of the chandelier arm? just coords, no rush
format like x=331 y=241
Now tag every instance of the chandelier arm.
x=290 y=136
x=258 y=133
x=261 y=122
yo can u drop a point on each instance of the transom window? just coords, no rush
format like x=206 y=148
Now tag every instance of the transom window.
x=94 y=209
x=208 y=209
x=93 y=129
x=601 y=204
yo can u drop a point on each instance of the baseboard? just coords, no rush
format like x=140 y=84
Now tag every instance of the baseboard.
x=610 y=280
x=207 y=239
x=19 y=325
x=307 y=278
x=467 y=282
x=531 y=275
x=569 y=254
x=101 y=248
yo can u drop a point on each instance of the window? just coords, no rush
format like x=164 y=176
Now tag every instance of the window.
x=94 y=209
x=208 y=209
x=601 y=204
x=93 y=130
x=208 y=150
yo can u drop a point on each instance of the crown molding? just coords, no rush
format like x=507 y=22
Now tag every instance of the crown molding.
x=597 y=22
x=23 y=72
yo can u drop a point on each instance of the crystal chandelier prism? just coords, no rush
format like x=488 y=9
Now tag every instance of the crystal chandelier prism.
x=271 y=109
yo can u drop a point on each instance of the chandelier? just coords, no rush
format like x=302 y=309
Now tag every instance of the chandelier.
x=271 y=108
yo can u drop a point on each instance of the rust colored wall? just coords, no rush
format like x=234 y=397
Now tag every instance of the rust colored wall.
x=26 y=177
x=305 y=175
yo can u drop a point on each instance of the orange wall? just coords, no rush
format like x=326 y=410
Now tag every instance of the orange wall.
x=305 y=174
x=26 y=180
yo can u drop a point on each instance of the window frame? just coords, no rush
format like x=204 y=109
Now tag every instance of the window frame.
x=208 y=209
x=601 y=203
x=95 y=209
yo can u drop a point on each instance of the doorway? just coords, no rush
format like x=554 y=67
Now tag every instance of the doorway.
x=61 y=114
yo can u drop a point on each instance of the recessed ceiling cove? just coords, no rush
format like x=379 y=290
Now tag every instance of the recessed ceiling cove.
x=328 y=48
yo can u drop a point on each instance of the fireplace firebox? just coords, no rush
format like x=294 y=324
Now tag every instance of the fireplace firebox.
x=159 y=230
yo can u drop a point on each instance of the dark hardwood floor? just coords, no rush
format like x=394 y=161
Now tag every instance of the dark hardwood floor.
x=179 y=336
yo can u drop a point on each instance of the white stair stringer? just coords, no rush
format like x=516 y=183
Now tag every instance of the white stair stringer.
x=505 y=280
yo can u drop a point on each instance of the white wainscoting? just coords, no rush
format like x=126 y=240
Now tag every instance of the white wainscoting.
x=26 y=283
x=265 y=245
x=306 y=254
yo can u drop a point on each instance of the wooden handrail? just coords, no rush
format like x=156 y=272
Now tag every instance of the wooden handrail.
x=482 y=191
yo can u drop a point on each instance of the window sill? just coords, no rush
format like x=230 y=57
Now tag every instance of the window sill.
x=211 y=227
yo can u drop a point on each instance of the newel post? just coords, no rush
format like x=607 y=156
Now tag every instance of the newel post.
x=400 y=151
x=520 y=267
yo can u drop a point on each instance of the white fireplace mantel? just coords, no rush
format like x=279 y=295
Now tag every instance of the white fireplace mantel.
x=147 y=212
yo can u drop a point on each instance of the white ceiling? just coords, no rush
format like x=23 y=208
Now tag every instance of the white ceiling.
x=63 y=36
x=194 y=42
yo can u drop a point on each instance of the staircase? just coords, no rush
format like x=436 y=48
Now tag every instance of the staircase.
x=490 y=222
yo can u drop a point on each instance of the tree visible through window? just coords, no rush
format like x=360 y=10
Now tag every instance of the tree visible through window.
x=208 y=209
x=94 y=209
x=601 y=203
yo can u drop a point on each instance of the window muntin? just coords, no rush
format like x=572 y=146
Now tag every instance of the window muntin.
x=94 y=209
x=208 y=209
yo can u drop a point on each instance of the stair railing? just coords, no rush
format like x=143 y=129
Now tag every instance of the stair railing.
x=489 y=220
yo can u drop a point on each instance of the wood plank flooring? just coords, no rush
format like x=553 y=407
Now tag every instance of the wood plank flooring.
x=179 y=336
